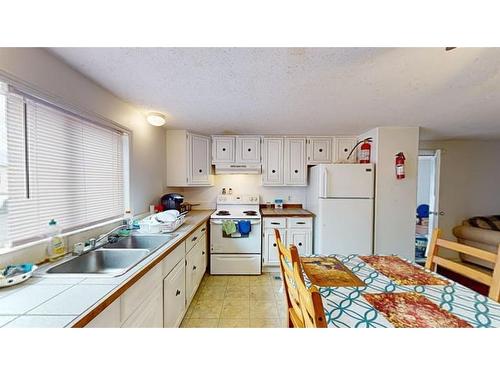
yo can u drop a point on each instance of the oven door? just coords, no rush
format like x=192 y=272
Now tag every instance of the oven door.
x=222 y=244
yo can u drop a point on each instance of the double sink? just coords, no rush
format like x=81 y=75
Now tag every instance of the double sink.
x=112 y=259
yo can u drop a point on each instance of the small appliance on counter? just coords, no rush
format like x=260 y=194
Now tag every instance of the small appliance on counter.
x=173 y=201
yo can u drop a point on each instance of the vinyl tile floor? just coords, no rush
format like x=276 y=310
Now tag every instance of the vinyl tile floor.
x=238 y=302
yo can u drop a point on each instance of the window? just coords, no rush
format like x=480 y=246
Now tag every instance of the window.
x=58 y=166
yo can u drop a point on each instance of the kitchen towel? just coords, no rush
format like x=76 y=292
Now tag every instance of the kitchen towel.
x=228 y=227
x=244 y=227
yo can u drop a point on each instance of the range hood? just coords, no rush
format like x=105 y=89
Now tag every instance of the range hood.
x=236 y=168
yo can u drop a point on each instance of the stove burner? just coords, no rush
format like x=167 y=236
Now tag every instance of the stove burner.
x=223 y=213
x=250 y=213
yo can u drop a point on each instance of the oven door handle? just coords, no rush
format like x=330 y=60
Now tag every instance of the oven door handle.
x=219 y=222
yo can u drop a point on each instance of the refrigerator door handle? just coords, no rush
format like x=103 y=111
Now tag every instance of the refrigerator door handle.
x=324 y=184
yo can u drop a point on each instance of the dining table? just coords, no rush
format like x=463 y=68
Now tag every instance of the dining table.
x=388 y=291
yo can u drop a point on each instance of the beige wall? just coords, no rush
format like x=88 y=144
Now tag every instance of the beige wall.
x=469 y=180
x=395 y=200
x=42 y=71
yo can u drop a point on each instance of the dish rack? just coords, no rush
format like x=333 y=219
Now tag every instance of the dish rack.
x=151 y=225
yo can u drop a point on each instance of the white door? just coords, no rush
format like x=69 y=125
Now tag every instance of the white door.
x=344 y=146
x=295 y=161
x=347 y=181
x=174 y=296
x=434 y=211
x=272 y=173
x=248 y=150
x=344 y=226
x=199 y=153
x=223 y=150
x=271 y=252
x=301 y=238
x=192 y=264
x=319 y=150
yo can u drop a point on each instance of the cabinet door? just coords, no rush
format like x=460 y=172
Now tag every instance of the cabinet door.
x=223 y=150
x=199 y=170
x=295 y=161
x=301 y=238
x=149 y=314
x=273 y=162
x=271 y=257
x=174 y=296
x=248 y=150
x=192 y=273
x=319 y=150
x=344 y=146
x=108 y=318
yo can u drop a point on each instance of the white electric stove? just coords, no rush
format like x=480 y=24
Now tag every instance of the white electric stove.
x=236 y=254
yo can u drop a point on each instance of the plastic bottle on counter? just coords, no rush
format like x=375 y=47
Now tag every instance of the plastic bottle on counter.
x=55 y=243
x=128 y=219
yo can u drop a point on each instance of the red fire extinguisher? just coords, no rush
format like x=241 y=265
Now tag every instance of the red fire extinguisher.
x=400 y=166
x=364 y=155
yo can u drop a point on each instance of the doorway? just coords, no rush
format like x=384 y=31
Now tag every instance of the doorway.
x=427 y=215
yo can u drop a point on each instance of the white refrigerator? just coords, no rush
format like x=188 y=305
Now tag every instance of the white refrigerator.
x=341 y=198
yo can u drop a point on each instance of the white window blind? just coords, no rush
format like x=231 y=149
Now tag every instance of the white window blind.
x=60 y=167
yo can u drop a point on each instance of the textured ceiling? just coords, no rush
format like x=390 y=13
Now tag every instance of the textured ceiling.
x=453 y=94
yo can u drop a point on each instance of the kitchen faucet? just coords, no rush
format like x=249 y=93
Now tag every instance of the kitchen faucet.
x=93 y=242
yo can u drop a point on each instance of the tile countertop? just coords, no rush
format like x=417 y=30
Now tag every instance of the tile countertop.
x=62 y=301
x=293 y=212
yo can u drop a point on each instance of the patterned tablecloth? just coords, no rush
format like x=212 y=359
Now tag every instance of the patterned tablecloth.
x=346 y=306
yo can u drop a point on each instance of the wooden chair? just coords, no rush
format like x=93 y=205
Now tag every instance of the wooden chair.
x=304 y=305
x=287 y=258
x=313 y=314
x=479 y=274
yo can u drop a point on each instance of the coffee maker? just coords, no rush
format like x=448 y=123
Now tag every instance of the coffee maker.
x=173 y=201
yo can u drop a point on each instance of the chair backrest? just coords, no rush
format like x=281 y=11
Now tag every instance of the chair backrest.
x=492 y=279
x=288 y=257
x=310 y=301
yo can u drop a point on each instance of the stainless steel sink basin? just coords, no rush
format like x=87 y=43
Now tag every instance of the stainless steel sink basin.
x=106 y=262
x=140 y=242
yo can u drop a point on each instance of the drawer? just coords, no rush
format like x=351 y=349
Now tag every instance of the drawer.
x=173 y=258
x=275 y=222
x=195 y=236
x=140 y=291
x=299 y=222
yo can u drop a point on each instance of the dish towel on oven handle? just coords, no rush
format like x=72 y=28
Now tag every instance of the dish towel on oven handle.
x=229 y=227
x=244 y=227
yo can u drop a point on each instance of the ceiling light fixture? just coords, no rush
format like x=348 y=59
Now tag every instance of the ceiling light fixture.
x=156 y=119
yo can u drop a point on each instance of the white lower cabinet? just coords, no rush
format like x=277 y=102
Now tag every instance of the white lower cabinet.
x=160 y=297
x=174 y=296
x=293 y=231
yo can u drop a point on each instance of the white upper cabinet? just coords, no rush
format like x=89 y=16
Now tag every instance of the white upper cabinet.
x=344 y=146
x=248 y=150
x=223 y=149
x=320 y=150
x=199 y=167
x=188 y=159
x=272 y=168
x=295 y=162
x=236 y=149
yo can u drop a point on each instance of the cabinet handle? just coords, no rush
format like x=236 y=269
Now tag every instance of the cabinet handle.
x=300 y=243
x=203 y=229
x=194 y=267
x=274 y=245
x=346 y=149
x=178 y=292
x=274 y=223
x=200 y=170
x=296 y=171
x=320 y=150
x=194 y=239
x=223 y=149
x=273 y=171
x=249 y=150
x=300 y=222
x=202 y=253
